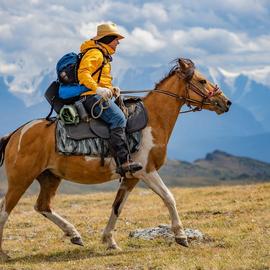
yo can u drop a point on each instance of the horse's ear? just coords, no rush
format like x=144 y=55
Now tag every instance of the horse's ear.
x=187 y=67
x=182 y=64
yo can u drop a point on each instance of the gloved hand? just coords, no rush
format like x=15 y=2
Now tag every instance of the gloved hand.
x=116 y=91
x=106 y=93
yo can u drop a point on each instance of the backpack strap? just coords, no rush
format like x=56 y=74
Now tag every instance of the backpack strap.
x=104 y=62
x=50 y=113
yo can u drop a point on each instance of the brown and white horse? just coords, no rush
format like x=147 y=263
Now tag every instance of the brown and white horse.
x=30 y=154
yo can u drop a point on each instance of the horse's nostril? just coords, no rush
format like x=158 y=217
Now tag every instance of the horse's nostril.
x=229 y=103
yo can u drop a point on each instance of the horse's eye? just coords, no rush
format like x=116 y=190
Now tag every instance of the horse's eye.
x=202 y=81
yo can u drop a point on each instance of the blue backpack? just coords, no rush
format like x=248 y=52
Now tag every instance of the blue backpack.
x=67 y=74
x=67 y=67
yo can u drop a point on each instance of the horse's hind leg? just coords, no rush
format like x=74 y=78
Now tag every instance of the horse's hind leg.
x=48 y=186
x=15 y=191
x=125 y=188
x=3 y=219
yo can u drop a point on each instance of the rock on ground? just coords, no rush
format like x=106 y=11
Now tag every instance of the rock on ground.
x=165 y=231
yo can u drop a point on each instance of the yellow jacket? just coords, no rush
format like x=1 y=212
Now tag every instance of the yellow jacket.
x=90 y=62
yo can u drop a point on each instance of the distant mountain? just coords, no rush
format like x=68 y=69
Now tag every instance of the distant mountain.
x=246 y=92
x=142 y=78
x=234 y=167
x=13 y=111
x=236 y=132
x=217 y=168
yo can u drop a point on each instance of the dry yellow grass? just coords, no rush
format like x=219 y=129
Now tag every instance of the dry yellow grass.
x=236 y=220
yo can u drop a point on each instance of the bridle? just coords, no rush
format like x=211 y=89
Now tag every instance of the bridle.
x=187 y=76
x=193 y=104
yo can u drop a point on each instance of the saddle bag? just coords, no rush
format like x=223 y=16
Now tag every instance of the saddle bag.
x=52 y=96
x=57 y=103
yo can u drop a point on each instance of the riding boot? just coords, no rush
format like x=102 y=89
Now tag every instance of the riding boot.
x=120 y=151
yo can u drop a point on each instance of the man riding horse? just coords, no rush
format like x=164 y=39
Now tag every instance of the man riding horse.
x=103 y=46
x=29 y=152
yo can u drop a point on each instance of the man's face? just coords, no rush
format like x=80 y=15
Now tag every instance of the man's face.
x=114 y=43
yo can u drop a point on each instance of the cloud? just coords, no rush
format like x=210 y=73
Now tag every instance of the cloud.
x=215 y=40
x=141 y=41
x=260 y=75
x=155 y=12
x=247 y=7
x=35 y=34
x=7 y=69
x=5 y=31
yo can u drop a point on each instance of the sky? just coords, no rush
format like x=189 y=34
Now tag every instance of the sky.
x=230 y=35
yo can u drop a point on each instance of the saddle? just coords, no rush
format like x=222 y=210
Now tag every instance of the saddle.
x=137 y=120
x=92 y=138
x=137 y=116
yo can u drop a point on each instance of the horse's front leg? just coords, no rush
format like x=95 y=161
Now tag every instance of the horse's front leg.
x=125 y=188
x=154 y=181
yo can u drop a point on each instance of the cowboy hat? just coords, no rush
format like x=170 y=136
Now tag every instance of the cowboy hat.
x=107 y=29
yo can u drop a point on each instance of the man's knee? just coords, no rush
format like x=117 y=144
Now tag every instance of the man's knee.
x=119 y=121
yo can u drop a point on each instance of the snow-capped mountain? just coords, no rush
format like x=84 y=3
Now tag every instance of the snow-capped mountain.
x=250 y=90
x=14 y=112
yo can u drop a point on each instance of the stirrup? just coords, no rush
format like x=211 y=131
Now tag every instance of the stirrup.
x=129 y=166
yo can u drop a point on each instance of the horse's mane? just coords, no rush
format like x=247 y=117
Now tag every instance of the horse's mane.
x=181 y=65
x=172 y=71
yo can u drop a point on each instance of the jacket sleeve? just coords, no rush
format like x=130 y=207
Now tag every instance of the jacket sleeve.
x=90 y=62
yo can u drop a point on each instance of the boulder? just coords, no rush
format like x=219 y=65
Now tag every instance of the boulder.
x=165 y=232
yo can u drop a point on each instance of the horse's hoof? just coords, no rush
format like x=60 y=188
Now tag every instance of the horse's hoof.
x=4 y=257
x=182 y=241
x=114 y=247
x=76 y=241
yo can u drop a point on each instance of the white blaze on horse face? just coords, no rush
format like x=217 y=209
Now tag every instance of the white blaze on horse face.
x=26 y=128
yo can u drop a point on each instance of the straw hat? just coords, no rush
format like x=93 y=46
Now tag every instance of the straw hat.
x=107 y=29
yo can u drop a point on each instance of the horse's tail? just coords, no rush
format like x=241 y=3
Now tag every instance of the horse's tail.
x=3 y=143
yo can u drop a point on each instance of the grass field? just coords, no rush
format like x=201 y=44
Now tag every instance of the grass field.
x=235 y=219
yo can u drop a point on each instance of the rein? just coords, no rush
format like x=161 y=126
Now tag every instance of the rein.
x=185 y=71
x=165 y=93
x=187 y=100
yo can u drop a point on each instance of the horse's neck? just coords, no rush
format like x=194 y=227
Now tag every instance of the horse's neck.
x=163 y=109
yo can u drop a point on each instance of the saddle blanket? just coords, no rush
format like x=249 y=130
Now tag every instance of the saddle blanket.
x=90 y=146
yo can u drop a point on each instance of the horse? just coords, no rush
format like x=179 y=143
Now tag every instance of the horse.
x=30 y=153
